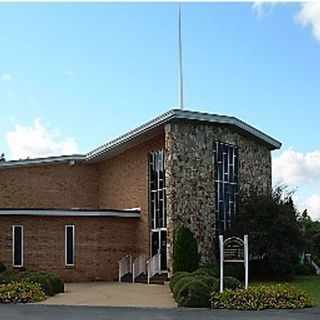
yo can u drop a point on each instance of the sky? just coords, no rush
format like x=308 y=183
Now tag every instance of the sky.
x=73 y=76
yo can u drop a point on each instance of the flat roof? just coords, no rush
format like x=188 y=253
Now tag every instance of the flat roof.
x=73 y=212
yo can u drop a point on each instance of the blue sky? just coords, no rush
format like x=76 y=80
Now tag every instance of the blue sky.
x=73 y=76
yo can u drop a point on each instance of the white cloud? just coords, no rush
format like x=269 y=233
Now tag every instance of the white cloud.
x=313 y=206
x=6 y=77
x=309 y=14
x=37 y=141
x=294 y=168
x=263 y=8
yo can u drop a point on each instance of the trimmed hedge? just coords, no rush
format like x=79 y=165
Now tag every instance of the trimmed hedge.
x=206 y=271
x=180 y=283
x=176 y=277
x=194 y=294
x=261 y=297
x=21 y=292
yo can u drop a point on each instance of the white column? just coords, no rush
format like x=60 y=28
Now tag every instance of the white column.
x=221 y=262
x=246 y=261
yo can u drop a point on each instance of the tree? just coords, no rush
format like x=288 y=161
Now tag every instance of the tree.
x=275 y=236
x=2 y=158
x=185 y=252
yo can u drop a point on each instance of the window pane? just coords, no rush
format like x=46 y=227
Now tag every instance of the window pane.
x=17 y=239
x=70 y=245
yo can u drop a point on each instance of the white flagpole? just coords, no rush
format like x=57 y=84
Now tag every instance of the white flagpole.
x=180 y=63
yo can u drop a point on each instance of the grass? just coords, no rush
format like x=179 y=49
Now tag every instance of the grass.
x=310 y=284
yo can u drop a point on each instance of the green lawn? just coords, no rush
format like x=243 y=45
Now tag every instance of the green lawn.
x=310 y=284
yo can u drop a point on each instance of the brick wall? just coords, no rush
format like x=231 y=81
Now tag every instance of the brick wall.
x=100 y=242
x=117 y=183
x=124 y=184
x=49 y=186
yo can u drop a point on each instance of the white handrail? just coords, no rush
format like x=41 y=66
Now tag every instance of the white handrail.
x=125 y=266
x=138 y=267
x=154 y=265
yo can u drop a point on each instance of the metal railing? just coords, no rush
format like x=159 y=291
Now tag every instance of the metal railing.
x=138 y=267
x=125 y=266
x=153 y=266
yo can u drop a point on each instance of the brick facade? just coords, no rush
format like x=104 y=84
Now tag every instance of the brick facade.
x=117 y=183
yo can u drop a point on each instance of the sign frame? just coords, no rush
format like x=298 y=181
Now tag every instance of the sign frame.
x=245 y=260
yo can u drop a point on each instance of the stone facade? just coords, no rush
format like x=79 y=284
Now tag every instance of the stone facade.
x=190 y=177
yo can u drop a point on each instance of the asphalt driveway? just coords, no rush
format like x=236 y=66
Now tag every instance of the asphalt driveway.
x=46 y=312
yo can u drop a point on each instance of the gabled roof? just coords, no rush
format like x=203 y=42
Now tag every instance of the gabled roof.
x=148 y=130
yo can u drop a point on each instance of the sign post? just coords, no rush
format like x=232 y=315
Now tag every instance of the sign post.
x=221 y=262
x=234 y=250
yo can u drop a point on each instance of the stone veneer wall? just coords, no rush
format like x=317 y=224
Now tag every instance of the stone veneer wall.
x=190 y=172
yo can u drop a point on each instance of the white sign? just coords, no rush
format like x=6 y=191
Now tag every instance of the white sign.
x=234 y=250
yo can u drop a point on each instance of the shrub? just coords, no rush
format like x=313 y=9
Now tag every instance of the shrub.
x=205 y=271
x=2 y=267
x=228 y=283
x=42 y=279
x=8 y=276
x=185 y=252
x=194 y=293
x=270 y=221
x=176 y=277
x=261 y=297
x=21 y=292
x=56 y=282
x=208 y=280
x=180 y=283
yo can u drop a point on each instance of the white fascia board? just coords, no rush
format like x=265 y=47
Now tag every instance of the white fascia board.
x=129 y=213
x=39 y=161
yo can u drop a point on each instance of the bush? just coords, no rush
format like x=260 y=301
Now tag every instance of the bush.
x=271 y=221
x=176 y=277
x=180 y=283
x=185 y=252
x=194 y=293
x=8 y=276
x=205 y=271
x=208 y=280
x=56 y=282
x=2 y=267
x=228 y=283
x=261 y=297
x=42 y=279
x=21 y=292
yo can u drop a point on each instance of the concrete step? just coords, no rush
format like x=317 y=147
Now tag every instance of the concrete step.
x=142 y=278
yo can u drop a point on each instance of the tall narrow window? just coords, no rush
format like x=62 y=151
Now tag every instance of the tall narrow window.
x=157 y=190
x=226 y=167
x=69 y=245
x=17 y=245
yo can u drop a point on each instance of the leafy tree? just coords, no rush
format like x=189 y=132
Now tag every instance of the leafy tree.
x=185 y=251
x=275 y=236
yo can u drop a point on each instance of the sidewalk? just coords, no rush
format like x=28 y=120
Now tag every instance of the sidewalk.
x=114 y=294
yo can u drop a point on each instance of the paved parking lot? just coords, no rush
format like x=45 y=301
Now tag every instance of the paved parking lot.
x=114 y=294
x=46 y=312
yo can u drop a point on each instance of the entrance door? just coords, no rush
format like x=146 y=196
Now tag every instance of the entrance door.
x=159 y=242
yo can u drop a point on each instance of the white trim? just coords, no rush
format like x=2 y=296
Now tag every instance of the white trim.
x=66 y=245
x=127 y=213
x=38 y=161
x=13 y=246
